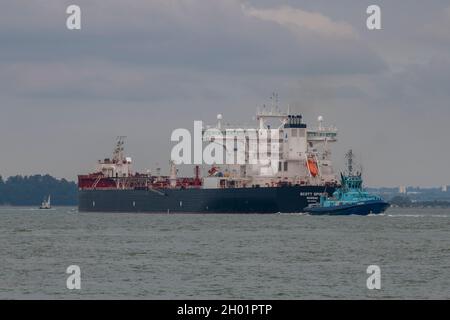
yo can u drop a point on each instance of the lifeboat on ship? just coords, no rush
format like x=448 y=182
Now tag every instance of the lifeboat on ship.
x=312 y=166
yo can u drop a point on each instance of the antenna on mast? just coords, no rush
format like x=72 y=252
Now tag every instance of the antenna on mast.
x=274 y=99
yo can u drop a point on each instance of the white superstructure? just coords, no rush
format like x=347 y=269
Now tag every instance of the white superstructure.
x=119 y=166
x=301 y=156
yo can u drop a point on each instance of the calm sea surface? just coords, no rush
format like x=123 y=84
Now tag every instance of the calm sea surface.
x=193 y=256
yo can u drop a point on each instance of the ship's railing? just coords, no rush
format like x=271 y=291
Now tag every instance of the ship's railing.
x=322 y=134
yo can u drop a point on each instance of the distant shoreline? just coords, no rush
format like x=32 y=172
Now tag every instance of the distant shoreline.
x=31 y=190
x=426 y=204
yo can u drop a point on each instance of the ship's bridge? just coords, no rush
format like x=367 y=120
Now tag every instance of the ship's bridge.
x=329 y=134
x=322 y=133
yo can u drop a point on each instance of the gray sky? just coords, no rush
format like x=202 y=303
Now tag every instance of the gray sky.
x=144 y=68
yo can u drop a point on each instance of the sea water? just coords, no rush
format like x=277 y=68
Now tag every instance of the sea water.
x=223 y=256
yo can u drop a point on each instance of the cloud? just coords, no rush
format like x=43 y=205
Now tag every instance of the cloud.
x=301 y=21
x=137 y=62
x=439 y=29
x=415 y=86
x=168 y=46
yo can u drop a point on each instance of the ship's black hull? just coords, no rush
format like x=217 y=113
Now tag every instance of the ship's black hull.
x=238 y=200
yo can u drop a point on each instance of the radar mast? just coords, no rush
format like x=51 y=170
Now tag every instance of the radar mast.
x=118 y=150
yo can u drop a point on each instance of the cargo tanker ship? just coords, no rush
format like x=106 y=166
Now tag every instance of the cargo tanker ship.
x=297 y=173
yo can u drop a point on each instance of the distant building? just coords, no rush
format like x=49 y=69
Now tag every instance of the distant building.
x=402 y=189
x=444 y=188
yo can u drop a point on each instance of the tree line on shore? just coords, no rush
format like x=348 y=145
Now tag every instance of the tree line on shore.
x=31 y=190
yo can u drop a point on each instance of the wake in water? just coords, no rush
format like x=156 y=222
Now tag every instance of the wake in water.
x=293 y=213
x=420 y=215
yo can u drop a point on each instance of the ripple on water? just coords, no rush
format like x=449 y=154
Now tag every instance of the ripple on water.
x=280 y=256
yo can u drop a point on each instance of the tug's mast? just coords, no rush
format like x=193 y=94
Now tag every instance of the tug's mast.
x=349 y=157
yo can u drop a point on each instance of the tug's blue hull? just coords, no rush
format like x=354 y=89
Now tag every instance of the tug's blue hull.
x=361 y=208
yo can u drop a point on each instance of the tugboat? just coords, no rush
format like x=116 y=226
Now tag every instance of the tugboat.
x=46 y=204
x=350 y=198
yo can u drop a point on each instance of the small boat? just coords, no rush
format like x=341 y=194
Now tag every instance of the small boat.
x=46 y=204
x=350 y=198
